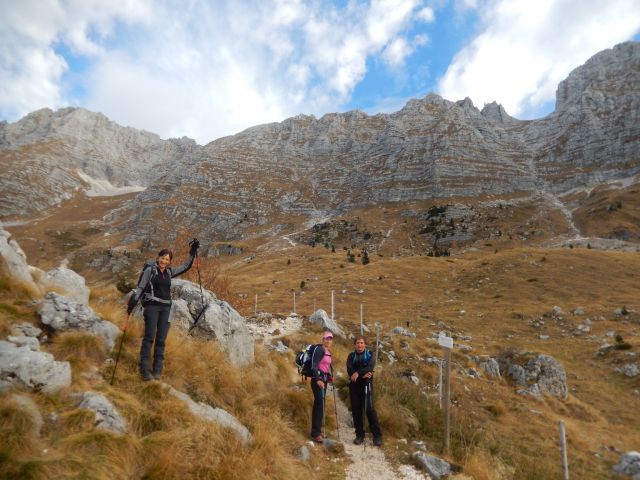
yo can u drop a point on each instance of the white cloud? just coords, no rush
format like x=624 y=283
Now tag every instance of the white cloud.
x=526 y=48
x=198 y=68
x=396 y=52
x=31 y=71
x=427 y=15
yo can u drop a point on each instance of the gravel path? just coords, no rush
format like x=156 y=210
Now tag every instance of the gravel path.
x=369 y=461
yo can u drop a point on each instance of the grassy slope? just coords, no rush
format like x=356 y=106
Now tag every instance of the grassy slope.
x=502 y=287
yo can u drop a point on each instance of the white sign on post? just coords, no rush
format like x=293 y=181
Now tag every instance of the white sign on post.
x=446 y=342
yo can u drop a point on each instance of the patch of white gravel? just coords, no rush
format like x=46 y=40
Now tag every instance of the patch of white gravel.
x=369 y=461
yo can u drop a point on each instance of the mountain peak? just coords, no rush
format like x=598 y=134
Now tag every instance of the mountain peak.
x=608 y=71
x=496 y=112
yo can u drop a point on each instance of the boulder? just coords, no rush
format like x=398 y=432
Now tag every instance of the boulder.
x=219 y=321
x=403 y=331
x=629 y=464
x=62 y=314
x=24 y=341
x=66 y=282
x=434 y=466
x=491 y=367
x=539 y=375
x=106 y=415
x=216 y=415
x=304 y=454
x=21 y=366
x=320 y=317
x=15 y=262
x=333 y=446
x=26 y=329
x=630 y=370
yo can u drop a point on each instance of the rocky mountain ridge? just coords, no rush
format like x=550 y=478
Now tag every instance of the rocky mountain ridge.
x=279 y=176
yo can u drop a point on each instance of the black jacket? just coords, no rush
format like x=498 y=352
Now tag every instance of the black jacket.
x=360 y=362
x=150 y=271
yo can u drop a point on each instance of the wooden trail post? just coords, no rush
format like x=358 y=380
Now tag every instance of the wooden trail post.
x=440 y=364
x=361 y=324
x=255 y=308
x=294 y=302
x=447 y=344
x=331 y=304
x=563 y=450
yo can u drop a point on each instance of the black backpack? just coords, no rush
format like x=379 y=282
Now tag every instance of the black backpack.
x=149 y=288
x=304 y=360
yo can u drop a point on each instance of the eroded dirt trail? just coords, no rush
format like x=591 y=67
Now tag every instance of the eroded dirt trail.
x=369 y=462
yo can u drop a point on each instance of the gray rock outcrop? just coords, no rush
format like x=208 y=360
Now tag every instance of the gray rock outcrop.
x=321 y=318
x=630 y=370
x=490 y=366
x=434 y=466
x=62 y=314
x=539 y=375
x=26 y=329
x=403 y=331
x=92 y=154
x=215 y=415
x=23 y=341
x=219 y=321
x=431 y=148
x=22 y=367
x=15 y=261
x=66 y=282
x=107 y=416
x=629 y=464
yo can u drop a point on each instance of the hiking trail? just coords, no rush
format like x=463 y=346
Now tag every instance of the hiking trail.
x=368 y=461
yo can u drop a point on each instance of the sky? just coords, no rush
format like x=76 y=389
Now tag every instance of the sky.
x=206 y=69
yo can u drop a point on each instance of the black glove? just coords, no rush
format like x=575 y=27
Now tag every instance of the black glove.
x=195 y=245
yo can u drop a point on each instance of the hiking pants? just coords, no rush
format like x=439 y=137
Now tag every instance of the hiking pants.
x=359 y=402
x=317 y=413
x=156 y=327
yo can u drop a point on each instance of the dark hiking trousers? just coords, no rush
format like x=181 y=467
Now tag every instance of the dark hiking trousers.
x=156 y=327
x=360 y=402
x=318 y=408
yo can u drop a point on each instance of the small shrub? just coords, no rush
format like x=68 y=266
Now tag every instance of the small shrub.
x=124 y=285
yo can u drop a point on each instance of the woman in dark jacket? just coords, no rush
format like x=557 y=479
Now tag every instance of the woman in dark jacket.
x=360 y=367
x=154 y=291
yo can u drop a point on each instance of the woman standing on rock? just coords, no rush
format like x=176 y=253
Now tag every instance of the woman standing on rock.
x=321 y=377
x=360 y=367
x=154 y=290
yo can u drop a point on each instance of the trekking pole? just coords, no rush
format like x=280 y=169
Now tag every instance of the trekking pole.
x=324 y=420
x=365 y=417
x=197 y=262
x=335 y=407
x=124 y=332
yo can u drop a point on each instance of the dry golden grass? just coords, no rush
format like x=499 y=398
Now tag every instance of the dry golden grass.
x=482 y=466
x=492 y=295
x=500 y=294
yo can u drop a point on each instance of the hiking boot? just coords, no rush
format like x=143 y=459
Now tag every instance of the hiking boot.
x=157 y=376
x=317 y=439
x=358 y=441
x=377 y=441
x=146 y=377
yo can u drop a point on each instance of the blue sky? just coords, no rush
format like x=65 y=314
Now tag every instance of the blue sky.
x=205 y=69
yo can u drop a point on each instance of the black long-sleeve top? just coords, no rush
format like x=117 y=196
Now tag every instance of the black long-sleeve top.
x=161 y=281
x=356 y=363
